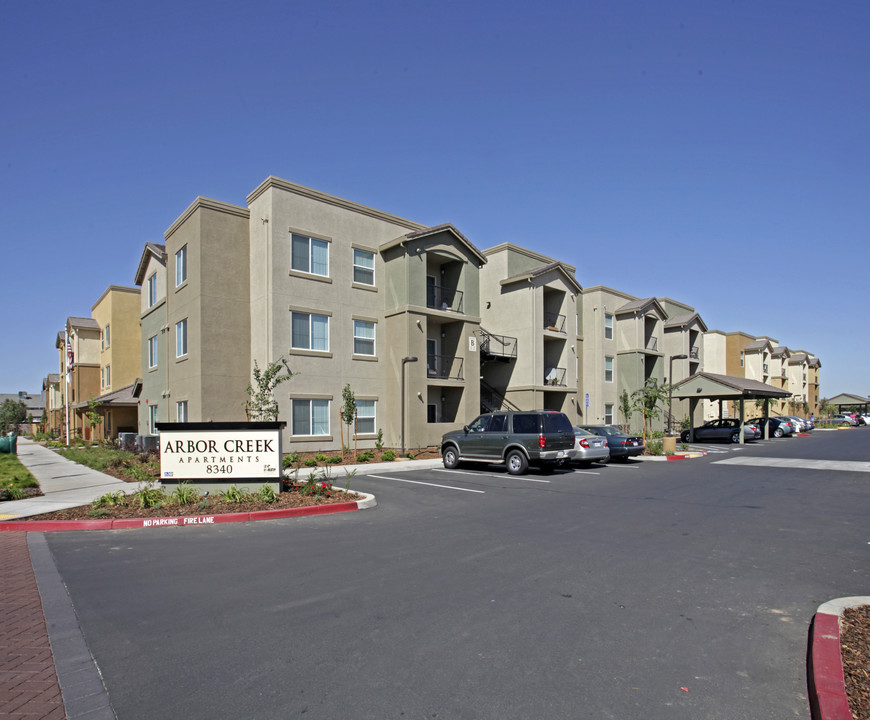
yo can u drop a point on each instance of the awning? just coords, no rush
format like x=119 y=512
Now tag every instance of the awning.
x=711 y=386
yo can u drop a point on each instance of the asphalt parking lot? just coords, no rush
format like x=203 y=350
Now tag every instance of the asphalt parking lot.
x=644 y=590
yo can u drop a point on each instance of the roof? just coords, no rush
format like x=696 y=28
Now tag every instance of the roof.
x=780 y=350
x=848 y=399
x=712 y=385
x=435 y=230
x=758 y=345
x=641 y=305
x=685 y=319
x=559 y=267
x=83 y=323
x=117 y=398
x=798 y=359
x=155 y=250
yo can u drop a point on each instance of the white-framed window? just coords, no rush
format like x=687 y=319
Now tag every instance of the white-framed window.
x=102 y=377
x=310 y=417
x=181 y=266
x=363 y=337
x=608 y=326
x=309 y=255
x=152 y=290
x=608 y=369
x=181 y=411
x=309 y=331
x=181 y=338
x=152 y=352
x=108 y=376
x=363 y=267
x=742 y=358
x=608 y=414
x=152 y=419
x=365 y=417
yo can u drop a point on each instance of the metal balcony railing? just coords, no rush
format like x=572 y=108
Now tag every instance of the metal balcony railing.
x=652 y=344
x=764 y=368
x=694 y=353
x=444 y=367
x=499 y=346
x=554 y=322
x=444 y=298
x=555 y=376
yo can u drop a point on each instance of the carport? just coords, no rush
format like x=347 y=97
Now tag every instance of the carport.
x=710 y=386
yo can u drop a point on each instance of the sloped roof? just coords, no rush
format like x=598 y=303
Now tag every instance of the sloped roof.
x=815 y=362
x=685 y=319
x=122 y=397
x=157 y=250
x=780 y=350
x=83 y=323
x=641 y=305
x=848 y=399
x=757 y=345
x=797 y=359
x=560 y=267
x=434 y=230
x=712 y=385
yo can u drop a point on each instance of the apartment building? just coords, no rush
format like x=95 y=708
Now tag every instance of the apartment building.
x=531 y=347
x=51 y=391
x=78 y=348
x=683 y=353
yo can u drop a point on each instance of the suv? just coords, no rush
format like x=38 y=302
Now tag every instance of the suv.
x=544 y=438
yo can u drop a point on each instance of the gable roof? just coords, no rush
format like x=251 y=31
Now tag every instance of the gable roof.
x=641 y=305
x=780 y=350
x=435 y=230
x=712 y=385
x=82 y=323
x=559 y=267
x=152 y=250
x=759 y=344
x=685 y=319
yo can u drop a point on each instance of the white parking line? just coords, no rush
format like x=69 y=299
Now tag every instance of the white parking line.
x=464 y=472
x=799 y=463
x=417 y=482
x=586 y=472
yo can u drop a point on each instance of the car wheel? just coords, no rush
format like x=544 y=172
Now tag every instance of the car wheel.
x=685 y=436
x=778 y=433
x=517 y=463
x=450 y=457
x=735 y=438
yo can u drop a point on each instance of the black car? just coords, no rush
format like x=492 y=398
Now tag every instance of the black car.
x=622 y=445
x=543 y=438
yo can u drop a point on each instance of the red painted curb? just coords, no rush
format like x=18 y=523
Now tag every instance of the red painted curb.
x=180 y=521
x=676 y=457
x=827 y=686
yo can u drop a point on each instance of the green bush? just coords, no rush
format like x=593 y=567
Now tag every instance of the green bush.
x=186 y=494
x=388 y=455
x=654 y=447
x=267 y=494
x=320 y=457
x=149 y=495
x=365 y=456
x=234 y=494
x=289 y=460
x=310 y=462
x=333 y=459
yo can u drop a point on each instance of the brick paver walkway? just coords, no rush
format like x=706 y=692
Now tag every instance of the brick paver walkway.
x=29 y=689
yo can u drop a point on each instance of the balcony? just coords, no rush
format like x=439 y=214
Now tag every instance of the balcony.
x=444 y=367
x=501 y=347
x=444 y=298
x=695 y=353
x=555 y=377
x=652 y=344
x=554 y=322
x=764 y=368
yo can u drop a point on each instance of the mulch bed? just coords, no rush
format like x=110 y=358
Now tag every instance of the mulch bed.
x=855 y=647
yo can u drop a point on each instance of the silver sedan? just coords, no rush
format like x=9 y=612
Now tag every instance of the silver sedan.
x=589 y=448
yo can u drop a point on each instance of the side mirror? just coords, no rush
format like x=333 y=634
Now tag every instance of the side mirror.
x=465 y=427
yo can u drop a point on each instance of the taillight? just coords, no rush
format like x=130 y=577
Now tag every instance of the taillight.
x=542 y=442
x=584 y=443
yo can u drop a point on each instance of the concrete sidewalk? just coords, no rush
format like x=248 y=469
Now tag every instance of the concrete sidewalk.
x=65 y=484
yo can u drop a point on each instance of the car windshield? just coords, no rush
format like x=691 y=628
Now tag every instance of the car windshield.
x=581 y=431
x=607 y=430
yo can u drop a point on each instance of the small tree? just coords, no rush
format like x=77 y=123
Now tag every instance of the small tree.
x=94 y=415
x=12 y=414
x=646 y=400
x=625 y=408
x=348 y=413
x=262 y=405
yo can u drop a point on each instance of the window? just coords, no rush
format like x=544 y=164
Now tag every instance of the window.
x=152 y=419
x=105 y=338
x=363 y=337
x=365 y=417
x=152 y=352
x=608 y=369
x=309 y=255
x=108 y=376
x=363 y=267
x=152 y=290
x=608 y=327
x=181 y=266
x=181 y=338
x=608 y=414
x=309 y=331
x=742 y=358
x=181 y=411
x=310 y=417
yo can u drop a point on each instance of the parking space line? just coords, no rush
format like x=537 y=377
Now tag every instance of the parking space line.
x=586 y=472
x=477 y=474
x=417 y=482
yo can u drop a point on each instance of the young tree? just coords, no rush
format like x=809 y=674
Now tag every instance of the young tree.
x=12 y=414
x=262 y=405
x=348 y=413
x=646 y=400
x=626 y=409
x=93 y=415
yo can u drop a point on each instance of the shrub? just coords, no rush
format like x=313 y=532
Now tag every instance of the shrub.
x=333 y=459
x=654 y=447
x=267 y=493
x=289 y=460
x=234 y=494
x=110 y=500
x=320 y=457
x=310 y=462
x=149 y=495
x=379 y=443
x=388 y=455
x=185 y=494
x=365 y=456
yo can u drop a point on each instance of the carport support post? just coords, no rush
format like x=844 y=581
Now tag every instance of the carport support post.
x=742 y=420
x=693 y=406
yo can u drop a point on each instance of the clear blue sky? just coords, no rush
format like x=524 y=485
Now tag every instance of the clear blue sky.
x=715 y=153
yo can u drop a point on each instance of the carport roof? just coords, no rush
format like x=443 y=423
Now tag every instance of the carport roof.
x=710 y=385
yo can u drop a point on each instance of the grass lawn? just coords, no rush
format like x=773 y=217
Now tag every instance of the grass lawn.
x=14 y=476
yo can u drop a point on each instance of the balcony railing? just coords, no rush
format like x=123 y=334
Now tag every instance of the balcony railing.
x=694 y=353
x=764 y=368
x=652 y=344
x=499 y=346
x=784 y=373
x=554 y=322
x=555 y=376
x=444 y=367
x=444 y=298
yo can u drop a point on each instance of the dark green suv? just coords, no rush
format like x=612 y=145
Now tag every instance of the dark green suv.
x=544 y=438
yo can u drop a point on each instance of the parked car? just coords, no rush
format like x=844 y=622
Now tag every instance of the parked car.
x=589 y=447
x=779 y=427
x=622 y=445
x=724 y=430
x=844 y=419
x=543 y=438
x=797 y=423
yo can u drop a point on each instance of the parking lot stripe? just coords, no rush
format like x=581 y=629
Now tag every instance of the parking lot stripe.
x=463 y=472
x=799 y=463
x=417 y=482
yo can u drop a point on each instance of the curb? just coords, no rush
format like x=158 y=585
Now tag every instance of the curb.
x=368 y=501
x=668 y=458
x=825 y=679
